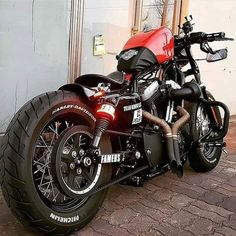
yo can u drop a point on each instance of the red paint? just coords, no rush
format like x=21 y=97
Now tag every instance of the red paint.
x=128 y=77
x=159 y=41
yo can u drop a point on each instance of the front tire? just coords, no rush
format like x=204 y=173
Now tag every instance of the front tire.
x=27 y=183
x=203 y=159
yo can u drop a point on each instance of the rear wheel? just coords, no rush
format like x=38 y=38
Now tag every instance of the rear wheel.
x=203 y=158
x=27 y=181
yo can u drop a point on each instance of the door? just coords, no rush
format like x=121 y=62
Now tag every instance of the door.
x=113 y=21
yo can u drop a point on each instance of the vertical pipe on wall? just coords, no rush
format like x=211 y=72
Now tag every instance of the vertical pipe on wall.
x=184 y=11
x=164 y=15
x=181 y=8
x=75 y=39
x=174 y=20
x=176 y=17
x=137 y=16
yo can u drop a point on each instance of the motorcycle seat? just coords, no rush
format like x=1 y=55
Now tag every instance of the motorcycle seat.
x=116 y=79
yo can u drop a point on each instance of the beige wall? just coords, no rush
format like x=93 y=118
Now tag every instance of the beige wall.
x=220 y=77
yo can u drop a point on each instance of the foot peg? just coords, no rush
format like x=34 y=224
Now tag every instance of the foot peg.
x=216 y=144
x=136 y=181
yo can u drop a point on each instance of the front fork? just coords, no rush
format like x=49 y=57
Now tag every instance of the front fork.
x=215 y=119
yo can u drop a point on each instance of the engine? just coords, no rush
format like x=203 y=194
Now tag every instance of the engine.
x=150 y=93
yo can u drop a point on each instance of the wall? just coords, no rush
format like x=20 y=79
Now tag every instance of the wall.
x=220 y=77
x=113 y=19
x=33 y=51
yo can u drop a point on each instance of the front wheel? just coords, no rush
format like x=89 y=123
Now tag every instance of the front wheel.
x=28 y=184
x=203 y=158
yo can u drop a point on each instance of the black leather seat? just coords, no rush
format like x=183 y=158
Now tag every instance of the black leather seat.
x=116 y=79
x=117 y=76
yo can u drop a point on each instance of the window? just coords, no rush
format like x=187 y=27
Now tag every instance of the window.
x=156 y=13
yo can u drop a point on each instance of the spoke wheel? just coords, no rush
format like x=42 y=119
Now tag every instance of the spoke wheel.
x=42 y=168
x=26 y=170
x=203 y=158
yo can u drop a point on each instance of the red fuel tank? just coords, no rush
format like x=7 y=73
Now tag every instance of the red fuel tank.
x=159 y=41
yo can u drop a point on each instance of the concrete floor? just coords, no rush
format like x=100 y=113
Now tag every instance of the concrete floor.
x=197 y=204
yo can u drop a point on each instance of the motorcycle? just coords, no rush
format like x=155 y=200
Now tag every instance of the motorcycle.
x=63 y=149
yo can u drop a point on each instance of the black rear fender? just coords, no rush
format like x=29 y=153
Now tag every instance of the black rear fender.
x=115 y=79
x=81 y=90
x=86 y=85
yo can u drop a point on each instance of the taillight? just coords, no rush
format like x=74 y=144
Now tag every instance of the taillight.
x=106 y=111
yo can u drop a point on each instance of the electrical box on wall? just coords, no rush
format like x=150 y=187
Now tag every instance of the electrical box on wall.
x=98 y=45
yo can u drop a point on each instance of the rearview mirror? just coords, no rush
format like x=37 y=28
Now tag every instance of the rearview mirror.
x=217 y=56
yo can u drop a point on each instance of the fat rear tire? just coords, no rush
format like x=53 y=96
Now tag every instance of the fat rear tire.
x=17 y=151
x=198 y=160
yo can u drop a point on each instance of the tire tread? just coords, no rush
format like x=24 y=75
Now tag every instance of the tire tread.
x=13 y=144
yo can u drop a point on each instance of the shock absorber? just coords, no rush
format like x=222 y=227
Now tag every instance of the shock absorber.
x=105 y=115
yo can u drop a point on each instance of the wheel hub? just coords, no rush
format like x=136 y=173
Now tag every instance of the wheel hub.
x=72 y=166
x=87 y=161
x=73 y=170
x=74 y=154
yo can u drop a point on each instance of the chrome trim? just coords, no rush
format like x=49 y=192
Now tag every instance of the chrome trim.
x=75 y=39
x=169 y=111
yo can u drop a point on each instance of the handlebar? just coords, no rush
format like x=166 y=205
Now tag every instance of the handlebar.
x=214 y=36
x=201 y=37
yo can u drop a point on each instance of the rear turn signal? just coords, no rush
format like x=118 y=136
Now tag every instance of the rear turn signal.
x=99 y=94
